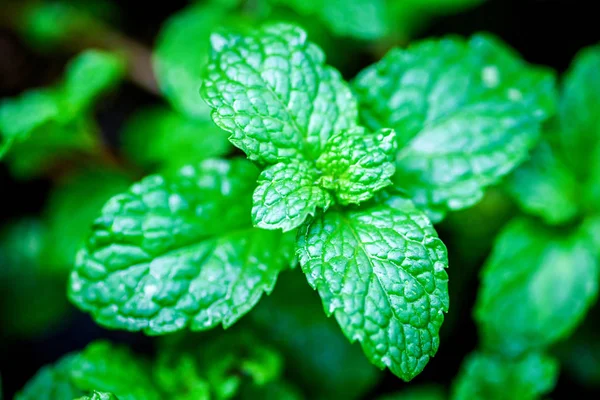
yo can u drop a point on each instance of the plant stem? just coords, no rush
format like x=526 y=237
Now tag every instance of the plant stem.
x=85 y=33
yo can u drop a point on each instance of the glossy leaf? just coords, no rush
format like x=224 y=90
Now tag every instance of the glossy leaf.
x=179 y=251
x=273 y=91
x=536 y=287
x=356 y=163
x=286 y=195
x=490 y=377
x=381 y=271
x=99 y=396
x=465 y=112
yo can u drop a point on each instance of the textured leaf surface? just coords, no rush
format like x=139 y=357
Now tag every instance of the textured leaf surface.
x=181 y=54
x=158 y=138
x=99 y=396
x=286 y=194
x=465 y=113
x=545 y=187
x=110 y=368
x=179 y=251
x=356 y=163
x=272 y=90
x=489 y=377
x=536 y=287
x=317 y=354
x=381 y=271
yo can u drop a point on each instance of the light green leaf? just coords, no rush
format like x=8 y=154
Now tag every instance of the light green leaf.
x=321 y=359
x=89 y=75
x=465 y=112
x=99 y=367
x=158 y=138
x=381 y=271
x=360 y=19
x=545 y=187
x=286 y=195
x=33 y=296
x=217 y=368
x=272 y=90
x=45 y=125
x=356 y=163
x=106 y=367
x=179 y=251
x=536 y=287
x=489 y=377
x=181 y=54
x=579 y=118
x=52 y=382
x=81 y=195
x=99 y=396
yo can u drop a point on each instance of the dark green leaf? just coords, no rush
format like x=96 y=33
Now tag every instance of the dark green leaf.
x=158 y=138
x=465 y=113
x=317 y=353
x=489 y=377
x=536 y=287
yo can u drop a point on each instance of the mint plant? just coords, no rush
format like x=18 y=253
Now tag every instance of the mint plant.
x=271 y=228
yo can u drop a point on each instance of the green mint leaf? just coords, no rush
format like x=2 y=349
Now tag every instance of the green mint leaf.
x=110 y=368
x=286 y=194
x=324 y=362
x=537 y=286
x=465 y=114
x=181 y=54
x=356 y=163
x=158 y=138
x=360 y=19
x=424 y=392
x=82 y=194
x=99 y=367
x=216 y=368
x=89 y=75
x=544 y=186
x=33 y=295
x=578 y=134
x=52 y=382
x=272 y=90
x=381 y=271
x=44 y=125
x=490 y=377
x=179 y=251
x=99 y=396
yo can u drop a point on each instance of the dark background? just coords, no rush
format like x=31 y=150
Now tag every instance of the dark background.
x=543 y=31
